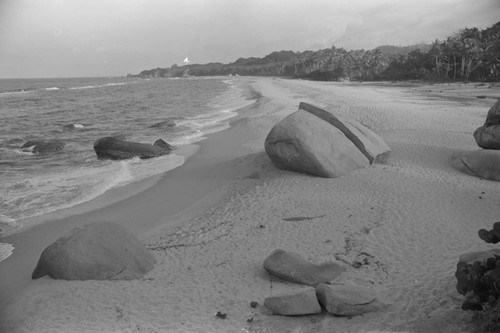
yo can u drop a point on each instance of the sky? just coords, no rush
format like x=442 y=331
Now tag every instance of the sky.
x=88 y=38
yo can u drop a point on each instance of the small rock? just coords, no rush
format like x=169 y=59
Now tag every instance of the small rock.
x=303 y=302
x=221 y=315
x=348 y=299
x=254 y=304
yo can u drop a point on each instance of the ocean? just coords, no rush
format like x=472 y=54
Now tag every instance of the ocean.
x=78 y=111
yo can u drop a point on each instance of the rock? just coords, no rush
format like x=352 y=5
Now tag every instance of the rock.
x=481 y=256
x=170 y=122
x=98 y=251
x=43 y=146
x=163 y=144
x=315 y=142
x=479 y=163
x=491 y=236
x=292 y=267
x=348 y=299
x=116 y=149
x=300 y=303
x=488 y=135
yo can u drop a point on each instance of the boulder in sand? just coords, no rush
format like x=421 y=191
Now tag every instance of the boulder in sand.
x=315 y=142
x=488 y=135
x=292 y=267
x=116 y=149
x=348 y=299
x=479 y=163
x=43 y=146
x=98 y=251
x=302 y=302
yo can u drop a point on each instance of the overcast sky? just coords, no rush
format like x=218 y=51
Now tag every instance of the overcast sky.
x=71 y=38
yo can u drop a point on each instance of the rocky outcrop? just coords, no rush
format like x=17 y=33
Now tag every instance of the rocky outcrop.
x=116 y=149
x=43 y=146
x=479 y=163
x=488 y=135
x=292 y=267
x=98 y=251
x=348 y=299
x=315 y=142
x=303 y=302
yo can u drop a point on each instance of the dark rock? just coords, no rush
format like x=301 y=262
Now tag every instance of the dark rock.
x=221 y=315
x=488 y=135
x=479 y=163
x=43 y=146
x=163 y=144
x=254 y=304
x=115 y=149
x=98 y=251
x=165 y=124
x=491 y=236
x=348 y=299
x=292 y=267
x=315 y=142
x=302 y=302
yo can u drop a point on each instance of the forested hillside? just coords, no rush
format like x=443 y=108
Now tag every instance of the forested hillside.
x=469 y=54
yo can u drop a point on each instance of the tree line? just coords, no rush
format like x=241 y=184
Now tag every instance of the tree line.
x=469 y=54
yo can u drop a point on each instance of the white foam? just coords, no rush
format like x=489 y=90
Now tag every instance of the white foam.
x=6 y=250
x=52 y=88
x=8 y=225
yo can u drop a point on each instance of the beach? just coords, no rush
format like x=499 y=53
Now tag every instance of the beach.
x=211 y=223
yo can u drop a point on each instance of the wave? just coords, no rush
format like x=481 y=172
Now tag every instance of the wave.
x=6 y=250
x=101 y=85
x=52 y=88
x=8 y=226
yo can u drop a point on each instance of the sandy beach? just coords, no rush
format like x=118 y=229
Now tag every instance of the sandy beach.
x=212 y=222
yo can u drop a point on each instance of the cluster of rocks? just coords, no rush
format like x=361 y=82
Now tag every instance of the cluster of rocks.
x=478 y=273
x=343 y=298
x=97 y=251
x=113 y=148
x=483 y=163
x=315 y=142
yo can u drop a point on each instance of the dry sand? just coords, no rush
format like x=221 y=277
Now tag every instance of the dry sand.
x=213 y=221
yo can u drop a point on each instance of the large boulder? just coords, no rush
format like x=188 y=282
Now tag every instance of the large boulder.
x=43 y=146
x=302 y=302
x=292 y=267
x=479 y=163
x=348 y=299
x=116 y=149
x=315 y=142
x=98 y=251
x=488 y=135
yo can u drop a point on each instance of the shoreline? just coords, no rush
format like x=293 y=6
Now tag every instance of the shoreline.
x=409 y=220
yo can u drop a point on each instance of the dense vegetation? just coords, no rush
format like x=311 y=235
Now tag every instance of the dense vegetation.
x=470 y=54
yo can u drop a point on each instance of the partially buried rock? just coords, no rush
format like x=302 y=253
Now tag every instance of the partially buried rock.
x=43 y=146
x=314 y=141
x=98 y=251
x=491 y=236
x=488 y=135
x=116 y=149
x=303 y=302
x=292 y=267
x=479 y=163
x=348 y=299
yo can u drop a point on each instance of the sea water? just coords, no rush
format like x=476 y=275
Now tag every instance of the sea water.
x=77 y=112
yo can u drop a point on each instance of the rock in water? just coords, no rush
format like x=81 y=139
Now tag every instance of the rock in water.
x=488 y=135
x=292 y=267
x=43 y=146
x=116 y=149
x=348 y=299
x=98 y=251
x=300 y=303
x=315 y=142
x=479 y=163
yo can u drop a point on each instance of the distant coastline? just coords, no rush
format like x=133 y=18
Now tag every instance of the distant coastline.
x=468 y=55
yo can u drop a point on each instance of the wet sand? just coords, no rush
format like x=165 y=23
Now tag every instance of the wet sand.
x=212 y=222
